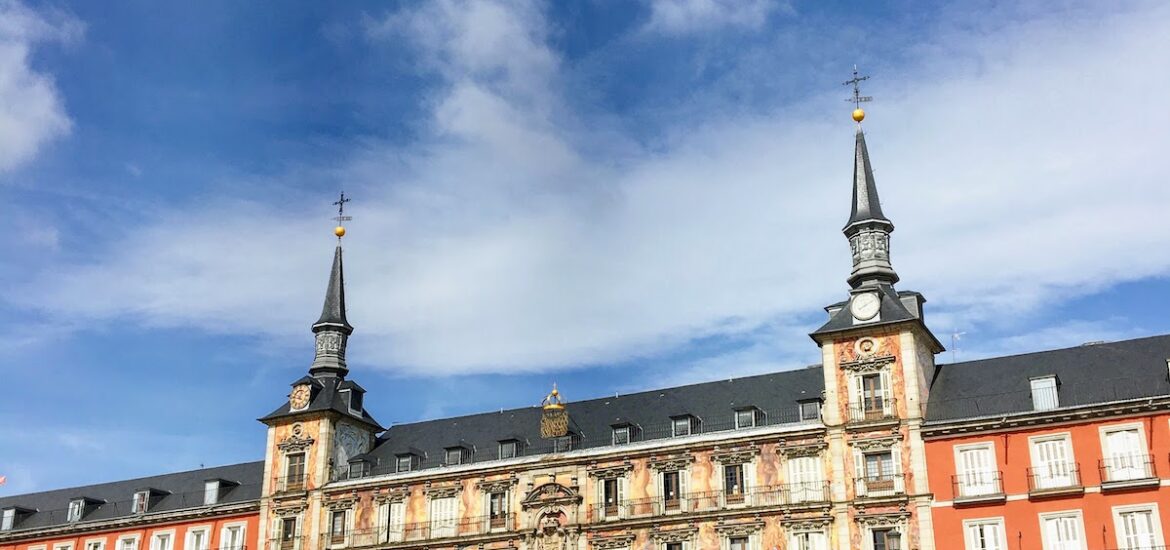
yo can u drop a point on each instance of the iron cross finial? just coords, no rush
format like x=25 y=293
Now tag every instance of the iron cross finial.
x=340 y=204
x=856 y=81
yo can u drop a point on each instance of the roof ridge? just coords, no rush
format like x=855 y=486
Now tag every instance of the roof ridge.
x=128 y=480
x=1054 y=350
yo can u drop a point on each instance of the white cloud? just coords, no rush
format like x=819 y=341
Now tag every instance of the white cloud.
x=31 y=110
x=1021 y=165
x=689 y=16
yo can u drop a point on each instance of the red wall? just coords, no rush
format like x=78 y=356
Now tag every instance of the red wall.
x=144 y=532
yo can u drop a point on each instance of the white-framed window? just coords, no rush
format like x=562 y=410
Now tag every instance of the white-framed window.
x=1045 y=395
x=750 y=541
x=198 y=538
x=871 y=396
x=128 y=542
x=76 y=510
x=565 y=443
x=621 y=435
x=739 y=543
x=809 y=410
x=141 y=502
x=985 y=534
x=7 y=519
x=673 y=546
x=1063 y=530
x=808 y=540
x=457 y=455
x=95 y=544
x=210 y=492
x=404 y=463
x=338 y=526
x=508 y=449
x=746 y=418
x=1138 y=527
x=289 y=529
x=682 y=425
x=879 y=473
x=294 y=471
x=63 y=546
x=737 y=481
x=674 y=486
x=975 y=467
x=1053 y=465
x=806 y=481
x=393 y=518
x=611 y=492
x=231 y=537
x=444 y=514
x=162 y=540
x=497 y=506
x=1123 y=448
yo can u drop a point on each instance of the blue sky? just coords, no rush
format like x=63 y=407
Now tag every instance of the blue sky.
x=612 y=195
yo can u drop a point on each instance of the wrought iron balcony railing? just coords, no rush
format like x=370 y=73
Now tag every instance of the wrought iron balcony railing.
x=292 y=483
x=874 y=410
x=879 y=486
x=422 y=530
x=791 y=494
x=1127 y=470
x=977 y=486
x=1055 y=477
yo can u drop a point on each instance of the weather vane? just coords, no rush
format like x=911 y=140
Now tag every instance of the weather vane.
x=341 y=217
x=857 y=99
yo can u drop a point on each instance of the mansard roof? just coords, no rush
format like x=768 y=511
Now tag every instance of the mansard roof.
x=183 y=490
x=713 y=403
x=326 y=396
x=1094 y=373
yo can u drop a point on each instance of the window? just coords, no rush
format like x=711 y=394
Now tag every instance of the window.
x=443 y=517
x=508 y=449
x=457 y=455
x=63 y=546
x=141 y=502
x=76 y=510
x=611 y=495
x=671 y=489
x=745 y=418
x=197 y=539
x=810 y=410
x=358 y=469
x=879 y=473
x=977 y=475
x=1044 y=394
x=232 y=536
x=210 y=492
x=128 y=543
x=337 y=526
x=681 y=426
x=95 y=545
x=404 y=463
x=498 y=509
x=564 y=443
x=873 y=395
x=674 y=546
x=886 y=539
x=1124 y=454
x=808 y=540
x=621 y=435
x=1138 y=527
x=294 y=471
x=160 y=541
x=1062 y=531
x=395 y=521
x=733 y=487
x=805 y=482
x=1052 y=463
x=738 y=543
x=985 y=534
x=355 y=401
x=7 y=519
x=288 y=533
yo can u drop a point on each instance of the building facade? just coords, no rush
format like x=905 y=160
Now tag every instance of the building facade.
x=876 y=448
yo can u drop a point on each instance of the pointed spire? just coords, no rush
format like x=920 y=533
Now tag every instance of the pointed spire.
x=332 y=329
x=868 y=230
x=333 y=312
x=866 y=204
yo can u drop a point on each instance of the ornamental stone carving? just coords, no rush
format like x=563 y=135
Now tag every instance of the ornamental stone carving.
x=551 y=494
x=801 y=449
x=665 y=536
x=671 y=463
x=870 y=245
x=442 y=491
x=875 y=443
x=613 y=542
x=341 y=504
x=738 y=455
x=893 y=519
x=297 y=440
x=610 y=472
x=739 y=529
x=865 y=364
x=806 y=524
x=396 y=494
x=496 y=485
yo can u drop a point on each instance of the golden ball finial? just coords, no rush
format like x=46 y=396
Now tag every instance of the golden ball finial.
x=552 y=401
x=858 y=114
x=339 y=231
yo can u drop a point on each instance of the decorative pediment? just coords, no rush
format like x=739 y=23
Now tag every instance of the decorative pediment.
x=341 y=504
x=875 y=443
x=395 y=494
x=496 y=485
x=289 y=510
x=609 y=472
x=612 y=542
x=879 y=520
x=442 y=491
x=550 y=494
x=738 y=455
x=671 y=463
x=664 y=536
x=739 y=529
x=296 y=441
x=806 y=524
x=867 y=364
x=801 y=449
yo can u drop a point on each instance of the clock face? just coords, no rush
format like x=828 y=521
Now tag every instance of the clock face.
x=299 y=398
x=865 y=306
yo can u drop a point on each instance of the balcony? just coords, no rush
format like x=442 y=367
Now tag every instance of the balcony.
x=808 y=494
x=286 y=543
x=879 y=486
x=978 y=487
x=1140 y=546
x=1054 y=480
x=291 y=484
x=423 y=530
x=881 y=410
x=1127 y=472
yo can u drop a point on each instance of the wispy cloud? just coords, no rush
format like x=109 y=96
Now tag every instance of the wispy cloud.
x=520 y=234
x=679 y=17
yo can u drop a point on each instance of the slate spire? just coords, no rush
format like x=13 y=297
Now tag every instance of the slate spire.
x=332 y=329
x=868 y=230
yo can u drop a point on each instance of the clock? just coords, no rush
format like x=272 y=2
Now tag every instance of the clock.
x=299 y=398
x=865 y=306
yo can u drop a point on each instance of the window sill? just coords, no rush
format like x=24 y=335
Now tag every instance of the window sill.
x=989 y=498
x=1055 y=492
x=1122 y=485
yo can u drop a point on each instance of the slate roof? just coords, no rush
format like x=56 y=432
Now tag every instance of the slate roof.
x=333 y=310
x=1087 y=374
x=714 y=403
x=114 y=499
x=326 y=396
x=866 y=204
x=892 y=311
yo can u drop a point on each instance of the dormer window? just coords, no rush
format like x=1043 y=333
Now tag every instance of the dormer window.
x=355 y=402
x=406 y=463
x=810 y=410
x=565 y=443
x=748 y=417
x=358 y=468
x=1045 y=395
x=76 y=509
x=621 y=434
x=7 y=519
x=141 y=502
x=683 y=425
x=458 y=455
x=509 y=448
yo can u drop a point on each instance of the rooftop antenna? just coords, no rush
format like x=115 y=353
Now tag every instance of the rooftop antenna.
x=857 y=99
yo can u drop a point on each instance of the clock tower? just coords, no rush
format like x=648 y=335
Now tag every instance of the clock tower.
x=319 y=434
x=878 y=356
